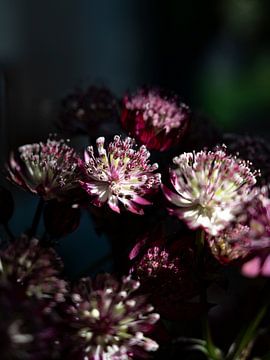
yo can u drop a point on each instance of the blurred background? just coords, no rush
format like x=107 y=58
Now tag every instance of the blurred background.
x=214 y=54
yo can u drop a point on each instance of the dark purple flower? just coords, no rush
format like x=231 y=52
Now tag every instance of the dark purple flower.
x=47 y=169
x=109 y=321
x=26 y=332
x=154 y=120
x=120 y=175
x=35 y=269
x=93 y=112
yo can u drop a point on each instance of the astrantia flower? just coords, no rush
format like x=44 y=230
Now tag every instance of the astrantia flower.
x=26 y=332
x=154 y=120
x=210 y=186
x=230 y=244
x=47 y=169
x=93 y=111
x=119 y=175
x=109 y=321
x=155 y=262
x=35 y=269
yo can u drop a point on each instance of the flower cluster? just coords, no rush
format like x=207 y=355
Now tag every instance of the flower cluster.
x=175 y=263
x=47 y=169
x=210 y=188
x=109 y=321
x=35 y=269
x=154 y=120
x=119 y=175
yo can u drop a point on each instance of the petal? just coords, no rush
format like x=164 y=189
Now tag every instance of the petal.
x=252 y=267
x=113 y=203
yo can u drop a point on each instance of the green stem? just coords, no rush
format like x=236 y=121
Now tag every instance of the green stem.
x=247 y=335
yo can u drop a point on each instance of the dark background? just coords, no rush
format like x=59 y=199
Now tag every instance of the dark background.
x=214 y=54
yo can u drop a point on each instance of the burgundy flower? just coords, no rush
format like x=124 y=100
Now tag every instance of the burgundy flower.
x=93 y=112
x=47 y=169
x=166 y=273
x=154 y=120
x=109 y=321
x=210 y=188
x=35 y=269
x=119 y=175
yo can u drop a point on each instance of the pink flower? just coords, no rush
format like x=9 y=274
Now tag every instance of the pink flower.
x=109 y=321
x=210 y=188
x=257 y=217
x=154 y=120
x=119 y=175
x=47 y=169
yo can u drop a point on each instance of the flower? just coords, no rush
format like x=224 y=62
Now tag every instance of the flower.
x=251 y=148
x=35 y=269
x=48 y=169
x=230 y=244
x=211 y=187
x=166 y=273
x=109 y=321
x=154 y=120
x=26 y=332
x=257 y=216
x=93 y=111
x=119 y=174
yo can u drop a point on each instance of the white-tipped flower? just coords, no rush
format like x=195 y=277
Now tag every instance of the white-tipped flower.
x=210 y=188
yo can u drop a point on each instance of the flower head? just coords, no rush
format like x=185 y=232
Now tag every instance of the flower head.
x=257 y=216
x=165 y=273
x=119 y=174
x=210 y=186
x=92 y=111
x=35 y=269
x=26 y=332
x=109 y=321
x=47 y=169
x=154 y=120
x=230 y=244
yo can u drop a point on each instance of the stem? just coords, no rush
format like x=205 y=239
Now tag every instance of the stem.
x=36 y=219
x=247 y=336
